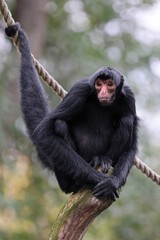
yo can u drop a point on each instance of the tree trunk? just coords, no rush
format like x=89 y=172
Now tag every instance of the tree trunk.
x=33 y=18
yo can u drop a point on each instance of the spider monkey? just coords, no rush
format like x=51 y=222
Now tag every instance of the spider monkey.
x=95 y=125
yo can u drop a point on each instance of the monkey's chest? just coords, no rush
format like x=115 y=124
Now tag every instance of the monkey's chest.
x=92 y=140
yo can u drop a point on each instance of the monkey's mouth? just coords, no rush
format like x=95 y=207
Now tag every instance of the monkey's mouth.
x=106 y=100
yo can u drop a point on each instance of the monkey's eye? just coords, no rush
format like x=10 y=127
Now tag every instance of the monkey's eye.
x=99 y=84
x=110 y=84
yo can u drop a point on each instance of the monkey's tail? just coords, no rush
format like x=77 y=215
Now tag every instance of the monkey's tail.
x=34 y=102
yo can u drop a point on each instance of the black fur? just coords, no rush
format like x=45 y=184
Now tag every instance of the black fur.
x=80 y=134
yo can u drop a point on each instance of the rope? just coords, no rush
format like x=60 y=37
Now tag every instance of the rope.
x=147 y=170
x=61 y=92
x=41 y=71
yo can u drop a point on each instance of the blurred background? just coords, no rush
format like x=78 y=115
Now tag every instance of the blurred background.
x=72 y=39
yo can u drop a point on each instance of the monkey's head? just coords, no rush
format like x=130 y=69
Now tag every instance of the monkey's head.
x=107 y=83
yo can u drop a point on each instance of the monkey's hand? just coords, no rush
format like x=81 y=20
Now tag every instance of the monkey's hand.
x=107 y=189
x=106 y=163
x=101 y=161
x=11 y=30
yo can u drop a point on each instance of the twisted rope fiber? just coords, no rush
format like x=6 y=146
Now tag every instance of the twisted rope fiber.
x=61 y=92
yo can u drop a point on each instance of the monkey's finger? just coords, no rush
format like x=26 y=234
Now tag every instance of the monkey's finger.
x=106 y=167
x=103 y=195
x=100 y=194
x=112 y=197
x=98 y=188
x=104 y=184
x=103 y=166
x=116 y=194
x=101 y=189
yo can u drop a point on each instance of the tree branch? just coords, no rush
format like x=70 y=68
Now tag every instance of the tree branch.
x=77 y=214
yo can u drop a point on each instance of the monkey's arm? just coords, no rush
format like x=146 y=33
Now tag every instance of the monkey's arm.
x=34 y=103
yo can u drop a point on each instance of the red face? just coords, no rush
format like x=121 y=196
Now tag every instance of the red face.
x=105 y=90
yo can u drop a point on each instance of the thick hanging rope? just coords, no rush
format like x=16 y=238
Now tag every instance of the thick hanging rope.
x=61 y=92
